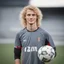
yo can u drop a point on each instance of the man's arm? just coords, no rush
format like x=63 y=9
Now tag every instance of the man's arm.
x=49 y=41
x=17 y=61
x=17 y=49
x=17 y=55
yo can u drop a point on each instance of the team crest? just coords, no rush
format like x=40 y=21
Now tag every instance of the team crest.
x=38 y=39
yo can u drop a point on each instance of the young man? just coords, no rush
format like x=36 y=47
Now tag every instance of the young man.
x=31 y=38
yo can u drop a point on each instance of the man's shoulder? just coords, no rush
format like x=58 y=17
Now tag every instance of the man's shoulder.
x=22 y=31
x=44 y=31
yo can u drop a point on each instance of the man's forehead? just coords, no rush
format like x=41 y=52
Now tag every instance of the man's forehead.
x=30 y=11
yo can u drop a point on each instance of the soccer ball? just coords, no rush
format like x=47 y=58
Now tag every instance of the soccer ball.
x=46 y=53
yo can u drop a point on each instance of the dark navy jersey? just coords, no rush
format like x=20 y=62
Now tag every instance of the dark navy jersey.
x=30 y=42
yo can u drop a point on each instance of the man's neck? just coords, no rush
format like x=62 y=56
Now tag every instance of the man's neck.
x=32 y=27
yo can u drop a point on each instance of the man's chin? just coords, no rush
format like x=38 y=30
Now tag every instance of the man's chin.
x=31 y=23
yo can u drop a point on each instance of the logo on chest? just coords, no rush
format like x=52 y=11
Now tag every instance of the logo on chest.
x=24 y=40
x=30 y=49
x=38 y=39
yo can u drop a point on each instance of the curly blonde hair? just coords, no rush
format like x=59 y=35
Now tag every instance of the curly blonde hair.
x=36 y=10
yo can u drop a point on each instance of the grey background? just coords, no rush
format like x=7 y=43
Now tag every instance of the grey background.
x=53 y=21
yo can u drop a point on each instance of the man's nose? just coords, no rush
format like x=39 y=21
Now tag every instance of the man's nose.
x=31 y=16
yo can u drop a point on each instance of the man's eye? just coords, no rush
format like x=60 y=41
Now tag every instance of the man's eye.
x=33 y=14
x=28 y=14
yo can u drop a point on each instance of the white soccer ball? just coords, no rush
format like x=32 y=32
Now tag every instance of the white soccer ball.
x=46 y=53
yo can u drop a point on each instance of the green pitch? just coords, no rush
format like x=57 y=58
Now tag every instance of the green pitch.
x=7 y=56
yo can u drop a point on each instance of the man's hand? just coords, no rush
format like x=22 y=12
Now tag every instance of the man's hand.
x=17 y=61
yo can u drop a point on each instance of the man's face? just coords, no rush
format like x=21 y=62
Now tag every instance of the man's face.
x=30 y=16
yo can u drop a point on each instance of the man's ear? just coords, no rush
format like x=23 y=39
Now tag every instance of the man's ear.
x=25 y=18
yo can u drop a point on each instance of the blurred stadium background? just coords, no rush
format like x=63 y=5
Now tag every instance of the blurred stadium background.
x=53 y=22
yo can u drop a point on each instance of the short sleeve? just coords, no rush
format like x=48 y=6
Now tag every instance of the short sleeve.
x=17 y=41
x=49 y=40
